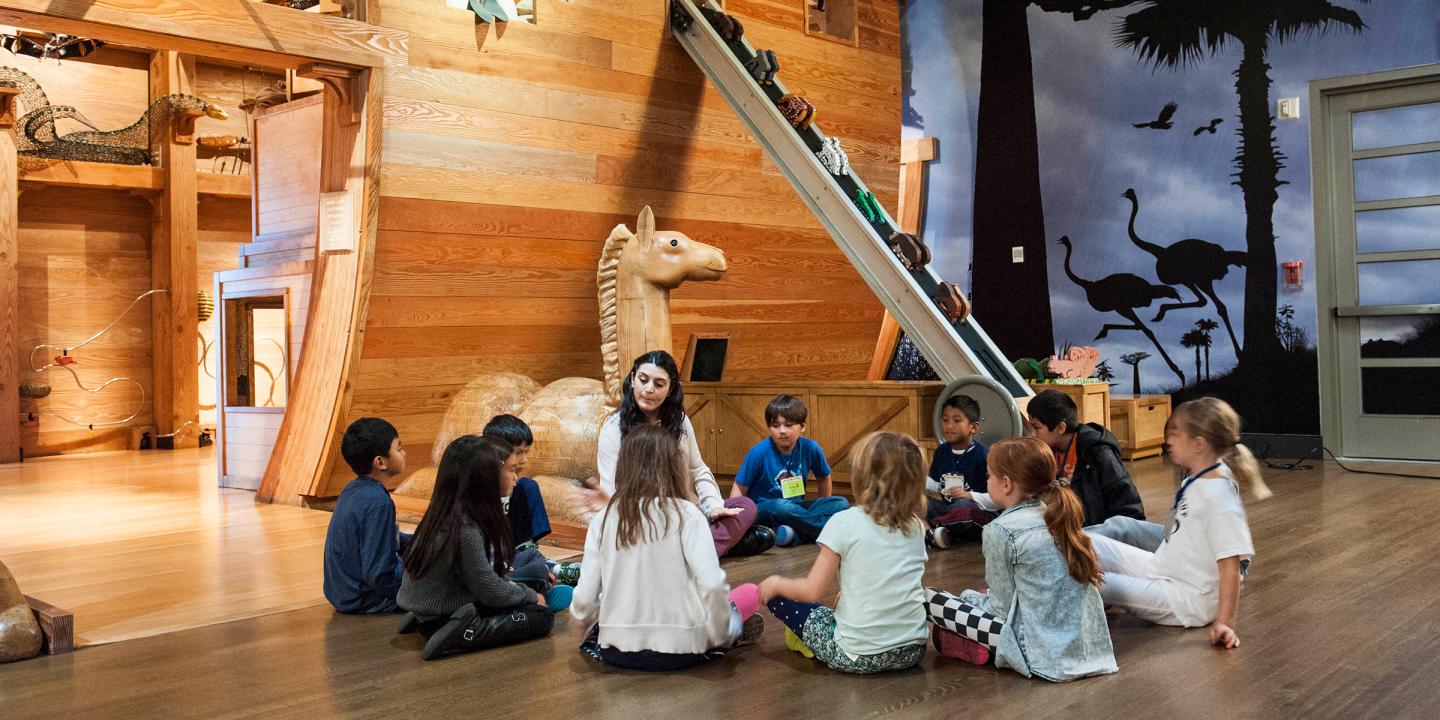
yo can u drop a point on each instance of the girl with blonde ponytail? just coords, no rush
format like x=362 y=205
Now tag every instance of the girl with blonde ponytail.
x=1042 y=615
x=1193 y=577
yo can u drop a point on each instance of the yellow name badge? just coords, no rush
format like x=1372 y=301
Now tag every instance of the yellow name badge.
x=791 y=486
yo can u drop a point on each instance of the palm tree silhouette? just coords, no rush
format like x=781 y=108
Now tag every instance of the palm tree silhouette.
x=1192 y=263
x=1008 y=211
x=1123 y=294
x=1195 y=339
x=1206 y=325
x=1133 y=360
x=1174 y=33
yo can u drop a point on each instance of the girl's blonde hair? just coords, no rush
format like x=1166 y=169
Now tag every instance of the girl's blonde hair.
x=649 y=472
x=889 y=475
x=1214 y=420
x=1030 y=464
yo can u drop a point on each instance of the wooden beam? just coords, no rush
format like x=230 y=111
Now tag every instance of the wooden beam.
x=57 y=625
x=9 y=281
x=78 y=173
x=174 y=242
x=909 y=216
x=243 y=31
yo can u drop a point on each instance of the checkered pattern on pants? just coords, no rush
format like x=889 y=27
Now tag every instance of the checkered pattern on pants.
x=958 y=616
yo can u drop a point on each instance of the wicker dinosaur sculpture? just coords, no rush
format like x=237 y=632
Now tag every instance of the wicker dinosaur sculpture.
x=38 y=135
x=636 y=273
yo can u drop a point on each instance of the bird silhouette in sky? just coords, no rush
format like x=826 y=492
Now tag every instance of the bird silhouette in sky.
x=1209 y=128
x=1163 y=121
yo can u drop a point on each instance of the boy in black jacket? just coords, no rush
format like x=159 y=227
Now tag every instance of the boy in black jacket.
x=1087 y=454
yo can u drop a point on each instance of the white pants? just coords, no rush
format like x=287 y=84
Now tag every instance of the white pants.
x=1130 y=582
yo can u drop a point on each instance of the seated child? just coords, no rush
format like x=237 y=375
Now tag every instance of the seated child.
x=1193 y=577
x=774 y=471
x=1042 y=615
x=524 y=506
x=956 y=471
x=362 y=564
x=464 y=580
x=1088 y=456
x=651 y=589
x=877 y=551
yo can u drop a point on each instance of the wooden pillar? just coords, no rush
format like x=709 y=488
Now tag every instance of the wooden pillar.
x=910 y=216
x=9 y=281
x=173 y=246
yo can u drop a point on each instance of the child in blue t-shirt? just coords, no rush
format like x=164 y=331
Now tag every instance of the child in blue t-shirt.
x=957 y=470
x=774 y=473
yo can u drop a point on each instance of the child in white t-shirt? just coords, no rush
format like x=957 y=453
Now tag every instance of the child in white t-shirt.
x=876 y=551
x=1194 y=577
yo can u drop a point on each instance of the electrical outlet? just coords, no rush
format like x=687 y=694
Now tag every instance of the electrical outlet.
x=1287 y=109
x=1017 y=254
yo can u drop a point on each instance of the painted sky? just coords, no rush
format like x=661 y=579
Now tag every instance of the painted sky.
x=1089 y=93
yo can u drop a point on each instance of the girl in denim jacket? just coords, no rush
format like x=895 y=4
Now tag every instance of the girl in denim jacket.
x=1042 y=615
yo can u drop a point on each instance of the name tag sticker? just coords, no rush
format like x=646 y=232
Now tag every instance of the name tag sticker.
x=791 y=486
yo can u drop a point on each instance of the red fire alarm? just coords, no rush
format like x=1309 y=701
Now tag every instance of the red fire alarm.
x=1294 y=272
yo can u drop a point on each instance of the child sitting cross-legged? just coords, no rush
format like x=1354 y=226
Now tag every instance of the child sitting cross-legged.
x=958 y=470
x=774 y=473
x=1042 y=615
x=651 y=589
x=464 y=583
x=876 y=550
x=524 y=506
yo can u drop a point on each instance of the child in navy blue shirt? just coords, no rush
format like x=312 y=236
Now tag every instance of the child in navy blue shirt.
x=362 y=543
x=957 y=470
x=774 y=473
x=524 y=507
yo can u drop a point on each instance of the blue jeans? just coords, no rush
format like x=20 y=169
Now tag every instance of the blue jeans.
x=806 y=517
x=528 y=520
x=1137 y=533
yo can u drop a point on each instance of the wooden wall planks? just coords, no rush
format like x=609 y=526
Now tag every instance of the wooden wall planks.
x=510 y=152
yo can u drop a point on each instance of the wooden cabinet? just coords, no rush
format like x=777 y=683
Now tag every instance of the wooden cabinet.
x=1139 y=422
x=1092 y=400
x=729 y=418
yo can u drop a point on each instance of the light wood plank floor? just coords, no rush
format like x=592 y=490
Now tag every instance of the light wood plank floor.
x=1340 y=619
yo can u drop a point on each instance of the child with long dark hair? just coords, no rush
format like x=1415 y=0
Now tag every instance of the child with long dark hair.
x=876 y=551
x=652 y=396
x=1193 y=577
x=651 y=589
x=1042 y=615
x=462 y=564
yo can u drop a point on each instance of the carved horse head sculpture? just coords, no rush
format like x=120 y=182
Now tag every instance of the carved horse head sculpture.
x=636 y=274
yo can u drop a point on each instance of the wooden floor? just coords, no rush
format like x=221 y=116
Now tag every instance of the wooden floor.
x=1340 y=619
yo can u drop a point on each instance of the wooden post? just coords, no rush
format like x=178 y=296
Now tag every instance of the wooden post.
x=9 y=281
x=173 y=247
x=911 y=217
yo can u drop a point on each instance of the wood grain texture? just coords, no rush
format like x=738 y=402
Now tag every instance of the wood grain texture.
x=1293 y=663
x=256 y=33
x=9 y=282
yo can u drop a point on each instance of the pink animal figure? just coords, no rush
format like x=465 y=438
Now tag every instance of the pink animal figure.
x=1079 y=362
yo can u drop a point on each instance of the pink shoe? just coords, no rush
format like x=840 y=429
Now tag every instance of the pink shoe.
x=955 y=645
x=747 y=599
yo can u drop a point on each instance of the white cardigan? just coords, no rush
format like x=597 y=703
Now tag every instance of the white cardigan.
x=666 y=593
x=706 y=489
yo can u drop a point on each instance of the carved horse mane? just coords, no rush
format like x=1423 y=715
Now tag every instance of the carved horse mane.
x=607 y=277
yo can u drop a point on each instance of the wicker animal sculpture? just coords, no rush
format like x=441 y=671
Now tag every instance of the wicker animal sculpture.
x=636 y=273
x=39 y=136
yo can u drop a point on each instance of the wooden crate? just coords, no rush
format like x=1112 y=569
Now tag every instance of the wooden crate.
x=1092 y=400
x=1139 y=422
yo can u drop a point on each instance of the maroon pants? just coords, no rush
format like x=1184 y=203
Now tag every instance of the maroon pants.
x=728 y=530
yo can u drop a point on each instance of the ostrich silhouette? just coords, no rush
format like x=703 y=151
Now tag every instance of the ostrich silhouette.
x=1123 y=294
x=1191 y=263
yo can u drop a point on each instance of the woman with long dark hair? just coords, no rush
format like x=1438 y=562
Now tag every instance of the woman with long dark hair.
x=463 y=578
x=652 y=395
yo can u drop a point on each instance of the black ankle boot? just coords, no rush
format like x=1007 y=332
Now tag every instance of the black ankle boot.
x=757 y=539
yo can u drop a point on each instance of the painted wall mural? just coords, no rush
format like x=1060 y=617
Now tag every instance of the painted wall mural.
x=1130 y=149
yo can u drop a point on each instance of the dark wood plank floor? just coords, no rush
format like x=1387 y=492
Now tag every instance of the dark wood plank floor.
x=1340 y=619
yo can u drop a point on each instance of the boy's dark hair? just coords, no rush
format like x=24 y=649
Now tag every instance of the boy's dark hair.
x=787 y=406
x=365 y=440
x=966 y=405
x=1053 y=407
x=509 y=428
